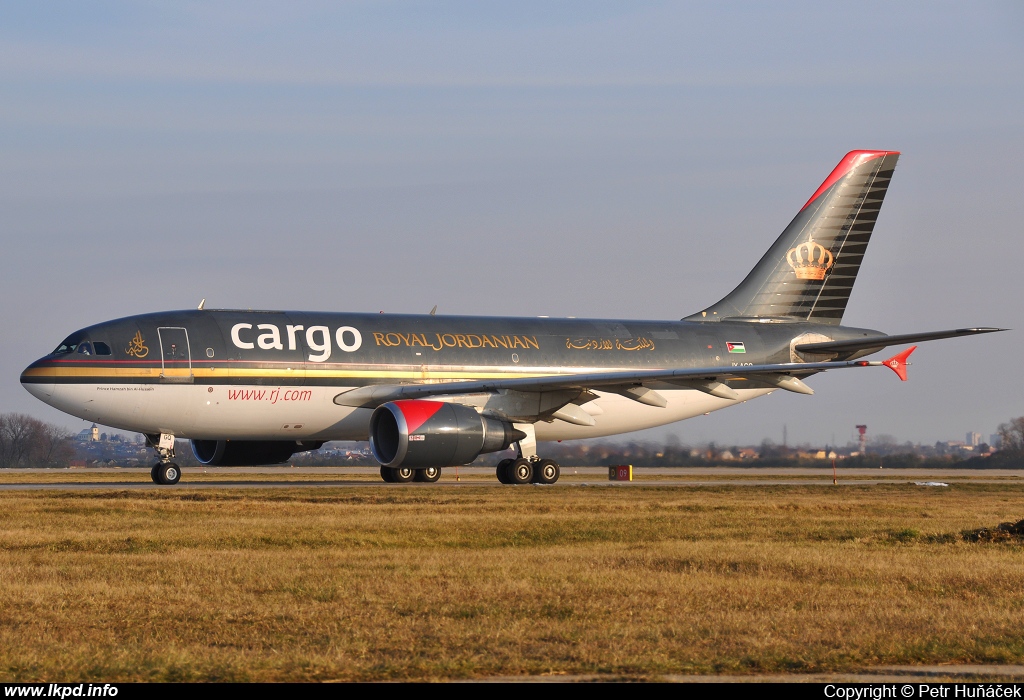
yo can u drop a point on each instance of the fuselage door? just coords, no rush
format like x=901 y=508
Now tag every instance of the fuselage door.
x=175 y=355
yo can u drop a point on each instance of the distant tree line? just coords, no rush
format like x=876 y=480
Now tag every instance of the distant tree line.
x=1011 y=448
x=26 y=441
x=29 y=442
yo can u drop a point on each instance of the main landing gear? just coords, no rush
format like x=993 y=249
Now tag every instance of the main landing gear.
x=527 y=471
x=166 y=472
x=403 y=475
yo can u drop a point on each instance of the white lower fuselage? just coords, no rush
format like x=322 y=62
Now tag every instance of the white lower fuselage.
x=263 y=412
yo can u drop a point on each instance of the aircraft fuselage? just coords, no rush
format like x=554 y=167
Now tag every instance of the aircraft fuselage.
x=211 y=374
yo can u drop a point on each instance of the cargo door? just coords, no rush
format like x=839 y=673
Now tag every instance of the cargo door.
x=175 y=356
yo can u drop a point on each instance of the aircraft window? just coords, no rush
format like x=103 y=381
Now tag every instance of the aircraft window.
x=69 y=345
x=84 y=349
x=209 y=352
x=101 y=348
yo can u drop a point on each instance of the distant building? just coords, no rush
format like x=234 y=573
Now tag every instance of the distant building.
x=973 y=439
x=89 y=434
x=995 y=440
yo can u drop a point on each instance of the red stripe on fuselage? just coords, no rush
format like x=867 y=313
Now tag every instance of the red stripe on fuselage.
x=417 y=412
x=850 y=161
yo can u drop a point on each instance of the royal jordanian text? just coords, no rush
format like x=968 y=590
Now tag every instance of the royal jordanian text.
x=472 y=341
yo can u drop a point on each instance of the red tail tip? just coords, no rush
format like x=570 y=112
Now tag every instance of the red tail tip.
x=850 y=161
x=898 y=363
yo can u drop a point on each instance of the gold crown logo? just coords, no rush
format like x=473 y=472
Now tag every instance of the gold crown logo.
x=810 y=260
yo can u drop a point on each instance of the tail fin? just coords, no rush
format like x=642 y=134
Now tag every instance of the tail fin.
x=808 y=273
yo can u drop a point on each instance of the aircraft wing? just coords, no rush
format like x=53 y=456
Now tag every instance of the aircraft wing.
x=878 y=342
x=711 y=380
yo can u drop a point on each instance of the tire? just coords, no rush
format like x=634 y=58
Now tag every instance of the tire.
x=154 y=475
x=429 y=475
x=502 y=471
x=546 y=472
x=169 y=473
x=397 y=475
x=520 y=471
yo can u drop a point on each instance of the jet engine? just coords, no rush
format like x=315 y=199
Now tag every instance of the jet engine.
x=419 y=434
x=244 y=453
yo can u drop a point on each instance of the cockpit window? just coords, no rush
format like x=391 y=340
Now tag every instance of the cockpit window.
x=69 y=345
x=84 y=349
x=101 y=348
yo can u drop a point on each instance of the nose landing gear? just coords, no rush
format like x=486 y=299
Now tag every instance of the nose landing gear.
x=166 y=473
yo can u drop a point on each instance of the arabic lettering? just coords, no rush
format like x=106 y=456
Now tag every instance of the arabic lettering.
x=634 y=344
x=628 y=344
x=588 y=344
x=137 y=346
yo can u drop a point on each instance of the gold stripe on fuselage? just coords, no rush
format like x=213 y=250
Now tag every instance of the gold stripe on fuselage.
x=210 y=373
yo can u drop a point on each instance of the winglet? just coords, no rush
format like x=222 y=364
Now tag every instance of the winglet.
x=898 y=363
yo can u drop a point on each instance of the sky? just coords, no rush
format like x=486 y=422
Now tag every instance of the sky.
x=589 y=159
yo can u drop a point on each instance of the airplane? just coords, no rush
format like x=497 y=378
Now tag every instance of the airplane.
x=431 y=391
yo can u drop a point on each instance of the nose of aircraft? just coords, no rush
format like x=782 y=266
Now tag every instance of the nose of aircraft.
x=38 y=379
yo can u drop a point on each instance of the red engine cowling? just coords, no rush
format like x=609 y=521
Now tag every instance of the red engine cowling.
x=421 y=434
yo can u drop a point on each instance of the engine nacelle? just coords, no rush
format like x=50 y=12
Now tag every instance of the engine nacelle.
x=247 y=453
x=421 y=434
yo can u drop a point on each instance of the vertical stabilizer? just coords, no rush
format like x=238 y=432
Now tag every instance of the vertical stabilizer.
x=809 y=272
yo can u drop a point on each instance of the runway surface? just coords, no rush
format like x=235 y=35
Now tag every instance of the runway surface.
x=572 y=477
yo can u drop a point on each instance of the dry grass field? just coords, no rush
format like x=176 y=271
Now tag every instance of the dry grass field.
x=424 y=583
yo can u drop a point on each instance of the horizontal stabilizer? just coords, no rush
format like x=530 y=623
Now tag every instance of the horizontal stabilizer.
x=881 y=341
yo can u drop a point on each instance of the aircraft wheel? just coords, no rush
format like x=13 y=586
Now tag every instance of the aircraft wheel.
x=546 y=471
x=502 y=471
x=430 y=474
x=397 y=475
x=520 y=472
x=168 y=473
x=154 y=475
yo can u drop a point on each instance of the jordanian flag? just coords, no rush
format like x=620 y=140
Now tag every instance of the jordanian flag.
x=735 y=347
